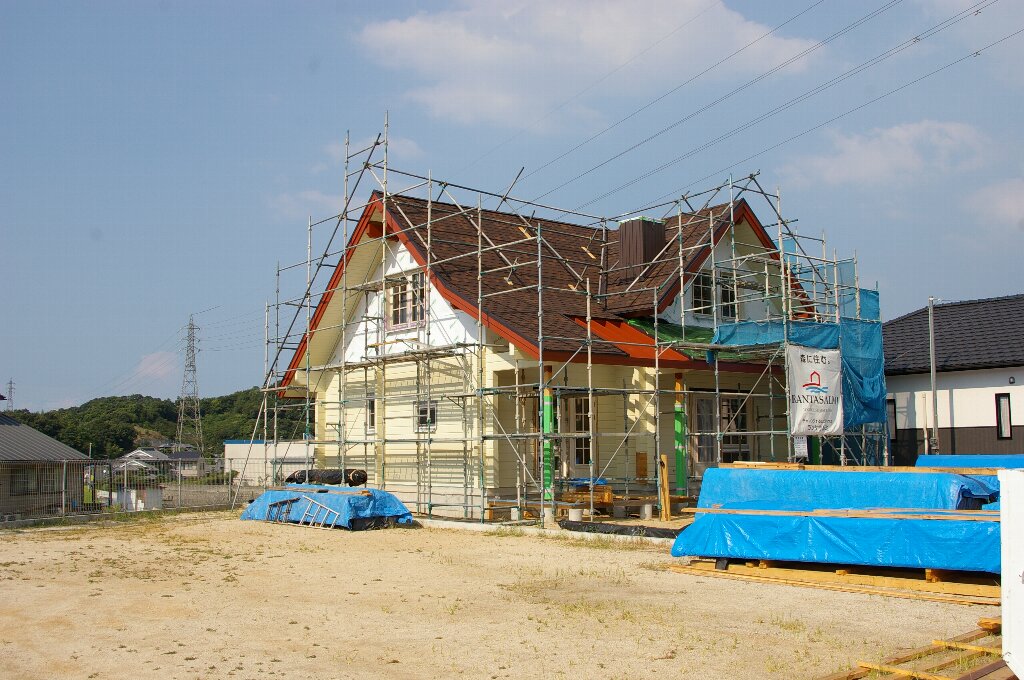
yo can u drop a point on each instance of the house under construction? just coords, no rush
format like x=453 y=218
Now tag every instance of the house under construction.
x=484 y=356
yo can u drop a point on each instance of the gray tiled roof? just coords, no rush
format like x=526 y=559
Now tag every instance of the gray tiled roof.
x=20 y=442
x=973 y=334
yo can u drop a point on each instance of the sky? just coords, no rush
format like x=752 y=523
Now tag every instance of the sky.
x=160 y=159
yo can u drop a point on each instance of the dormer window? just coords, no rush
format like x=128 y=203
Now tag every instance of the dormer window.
x=405 y=299
x=703 y=294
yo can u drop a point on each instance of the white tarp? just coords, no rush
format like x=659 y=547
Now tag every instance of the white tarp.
x=815 y=390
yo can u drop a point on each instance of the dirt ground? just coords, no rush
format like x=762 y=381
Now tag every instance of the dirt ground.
x=199 y=596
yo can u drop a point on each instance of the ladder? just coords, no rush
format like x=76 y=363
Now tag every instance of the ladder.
x=280 y=511
x=312 y=516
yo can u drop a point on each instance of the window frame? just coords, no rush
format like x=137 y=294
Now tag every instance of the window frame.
x=1003 y=397
x=582 y=452
x=890 y=415
x=410 y=289
x=703 y=284
x=370 y=415
x=24 y=480
x=725 y=288
x=430 y=425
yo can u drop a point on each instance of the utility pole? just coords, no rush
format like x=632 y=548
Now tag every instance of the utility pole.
x=10 y=394
x=933 y=443
x=190 y=420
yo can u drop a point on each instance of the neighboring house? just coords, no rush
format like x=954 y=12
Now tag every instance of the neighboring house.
x=260 y=463
x=189 y=462
x=38 y=474
x=979 y=357
x=436 y=368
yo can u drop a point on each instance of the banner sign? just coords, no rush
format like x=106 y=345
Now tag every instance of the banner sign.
x=815 y=391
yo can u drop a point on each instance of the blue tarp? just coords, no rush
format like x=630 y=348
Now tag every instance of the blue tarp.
x=817 y=490
x=931 y=544
x=350 y=506
x=974 y=460
x=969 y=545
x=861 y=346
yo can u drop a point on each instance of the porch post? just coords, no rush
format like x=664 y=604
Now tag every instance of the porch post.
x=548 y=428
x=682 y=464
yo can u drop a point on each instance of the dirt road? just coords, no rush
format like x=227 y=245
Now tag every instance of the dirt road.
x=201 y=596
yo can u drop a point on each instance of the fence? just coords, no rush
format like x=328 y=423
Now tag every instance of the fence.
x=30 y=490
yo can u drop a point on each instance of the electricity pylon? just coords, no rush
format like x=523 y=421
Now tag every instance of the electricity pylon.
x=190 y=420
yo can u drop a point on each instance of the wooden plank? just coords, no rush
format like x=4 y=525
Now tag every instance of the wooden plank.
x=993 y=625
x=664 y=501
x=903 y=672
x=908 y=582
x=949 y=644
x=859 y=468
x=866 y=590
x=997 y=670
x=904 y=657
x=859 y=513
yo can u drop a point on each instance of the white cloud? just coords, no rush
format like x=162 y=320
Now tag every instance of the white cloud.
x=508 y=63
x=893 y=154
x=298 y=205
x=1000 y=207
x=156 y=366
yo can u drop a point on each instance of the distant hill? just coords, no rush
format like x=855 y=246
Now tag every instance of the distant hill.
x=116 y=425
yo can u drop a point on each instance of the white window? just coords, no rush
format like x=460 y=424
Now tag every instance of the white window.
x=1004 y=425
x=426 y=416
x=405 y=301
x=705 y=429
x=734 y=419
x=729 y=306
x=371 y=412
x=581 y=423
x=703 y=294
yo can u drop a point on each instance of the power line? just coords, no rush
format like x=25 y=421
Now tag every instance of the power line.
x=693 y=114
x=874 y=61
x=975 y=53
x=675 y=89
x=595 y=83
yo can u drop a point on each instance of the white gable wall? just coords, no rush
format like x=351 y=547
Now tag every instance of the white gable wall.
x=369 y=337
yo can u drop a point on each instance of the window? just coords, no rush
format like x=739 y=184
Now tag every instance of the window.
x=728 y=300
x=734 y=419
x=405 y=301
x=581 y=422
x=890 y=413
x=705 y=429
x=703 y=294
x=371 y=412
x=1004 y=426
x=426 y=416
x=24 y=481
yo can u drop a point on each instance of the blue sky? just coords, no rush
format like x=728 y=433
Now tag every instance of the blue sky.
x=160 y=158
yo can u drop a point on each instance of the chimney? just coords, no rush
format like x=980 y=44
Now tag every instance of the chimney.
x=640 y=241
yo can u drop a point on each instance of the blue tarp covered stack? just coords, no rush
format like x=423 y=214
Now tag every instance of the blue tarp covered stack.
x=929 y=520
x=363 y=509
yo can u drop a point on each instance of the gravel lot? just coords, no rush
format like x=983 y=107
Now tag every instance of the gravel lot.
x=206 y=595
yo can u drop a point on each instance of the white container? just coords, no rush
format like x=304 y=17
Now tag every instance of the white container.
x=1011 y=521
x=575 y=514
x=647 y=511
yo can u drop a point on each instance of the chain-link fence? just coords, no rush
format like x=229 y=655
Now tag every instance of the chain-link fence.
x=31 y=490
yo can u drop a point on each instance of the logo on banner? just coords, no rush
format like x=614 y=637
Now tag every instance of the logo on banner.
x=813 y=384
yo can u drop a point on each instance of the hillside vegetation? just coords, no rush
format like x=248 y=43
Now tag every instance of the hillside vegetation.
x=116 y=425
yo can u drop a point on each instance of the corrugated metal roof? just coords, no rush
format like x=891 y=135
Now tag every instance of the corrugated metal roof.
x=20 y=442
x=973 y=334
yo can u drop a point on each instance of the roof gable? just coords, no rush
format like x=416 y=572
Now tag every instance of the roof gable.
x=570 y=255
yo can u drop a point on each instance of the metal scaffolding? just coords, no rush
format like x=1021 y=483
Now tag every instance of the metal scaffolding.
x=543 y=413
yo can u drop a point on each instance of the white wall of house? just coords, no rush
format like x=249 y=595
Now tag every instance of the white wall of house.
x=370 y=336
x=965 y=398
x=747 y=308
